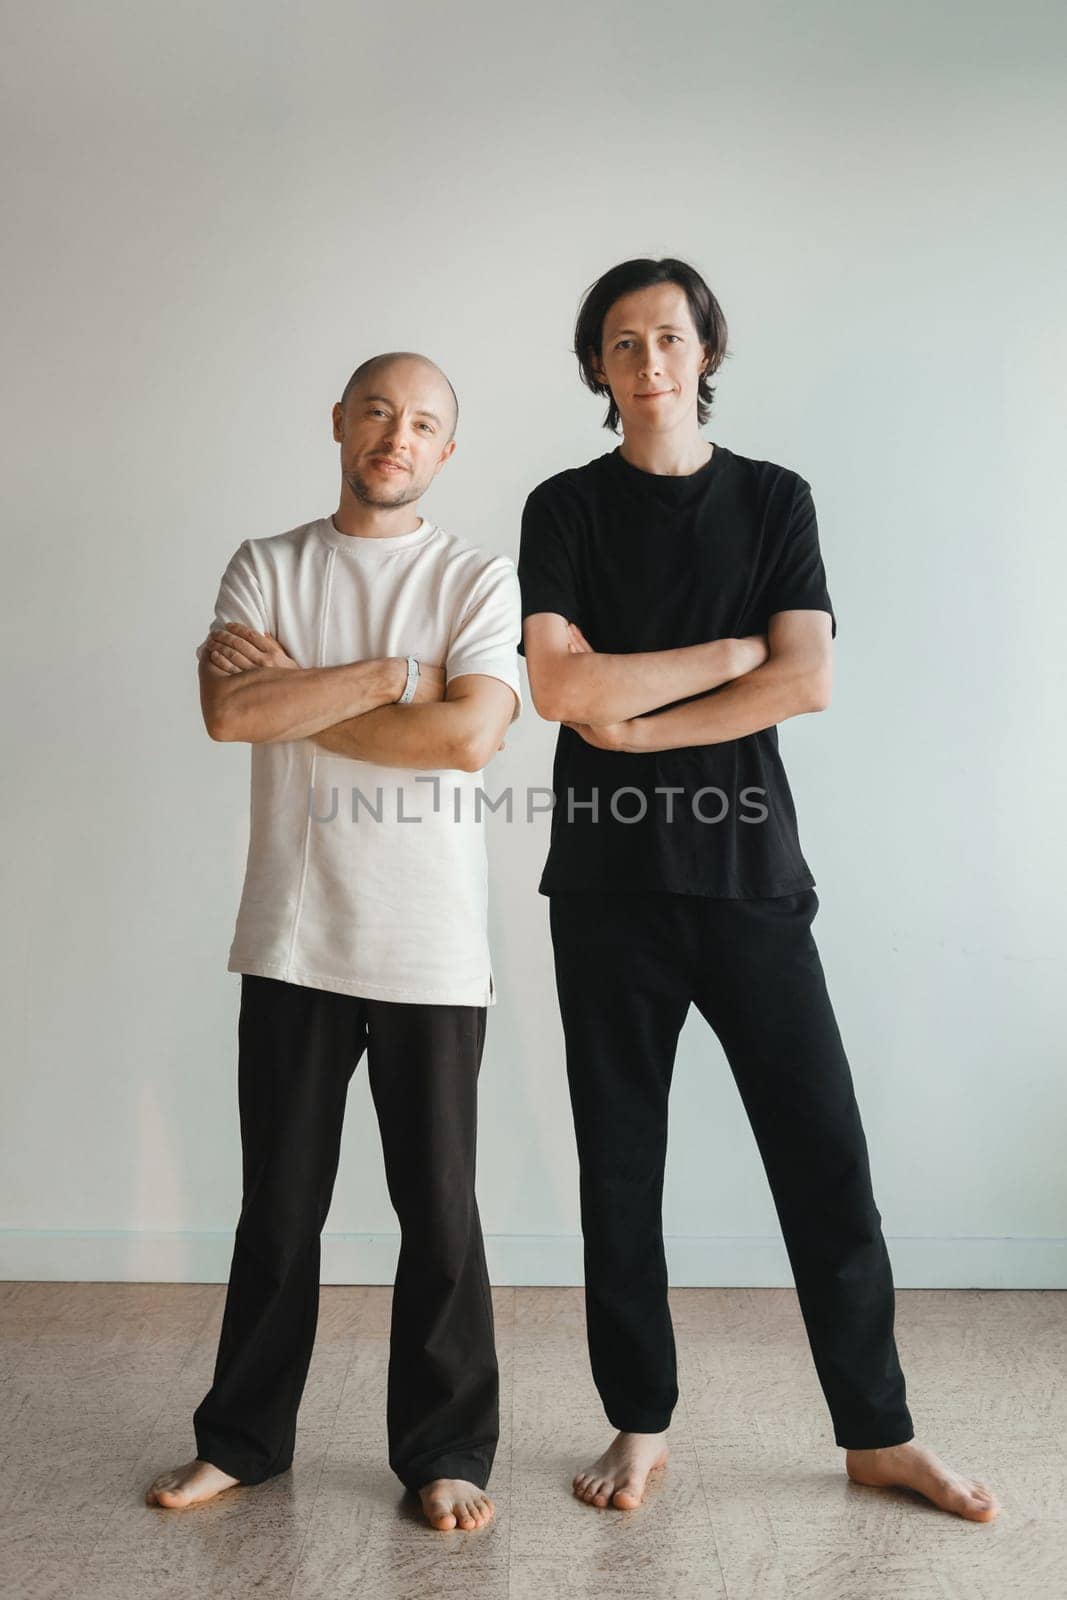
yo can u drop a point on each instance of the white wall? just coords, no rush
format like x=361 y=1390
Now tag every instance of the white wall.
x=214 y=211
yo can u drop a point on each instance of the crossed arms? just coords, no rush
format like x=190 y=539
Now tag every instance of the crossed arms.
x=260 y=695
x=604 y=697
x=252 y=691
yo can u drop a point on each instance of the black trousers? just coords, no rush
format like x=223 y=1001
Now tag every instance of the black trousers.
x=298 y=1048
x=627 y=967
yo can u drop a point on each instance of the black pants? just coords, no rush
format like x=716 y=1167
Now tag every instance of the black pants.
x=298 y=1048
x=627 y=967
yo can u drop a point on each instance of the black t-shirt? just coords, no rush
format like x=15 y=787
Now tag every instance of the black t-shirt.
x=642 y=561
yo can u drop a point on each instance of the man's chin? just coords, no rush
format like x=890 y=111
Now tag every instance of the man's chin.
x=651 y=420
x=371 y=496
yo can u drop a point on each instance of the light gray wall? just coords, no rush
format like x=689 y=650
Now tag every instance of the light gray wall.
x=213 y=212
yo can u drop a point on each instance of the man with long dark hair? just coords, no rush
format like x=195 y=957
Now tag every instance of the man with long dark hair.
x=675 y=611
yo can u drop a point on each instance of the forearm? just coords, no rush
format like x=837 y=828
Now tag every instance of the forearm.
x=770 y=694
x=434 y=737
x=267 y=705
x=600 y=688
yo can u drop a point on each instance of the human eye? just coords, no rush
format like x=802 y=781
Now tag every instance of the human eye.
x=620 y=343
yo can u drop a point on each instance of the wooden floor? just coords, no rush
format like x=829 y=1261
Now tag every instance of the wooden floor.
x=98 y=1383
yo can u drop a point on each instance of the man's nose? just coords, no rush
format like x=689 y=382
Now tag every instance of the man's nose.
x=395 y=436
x=650 y=364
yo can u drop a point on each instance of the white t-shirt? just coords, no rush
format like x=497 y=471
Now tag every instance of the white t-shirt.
x=334 y=898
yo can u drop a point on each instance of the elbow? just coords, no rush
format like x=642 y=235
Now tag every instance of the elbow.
x=548 y=691
x=464 y=751
x=476 y=747
x=549 y=710
x=214 y=704
x=550 y=704
x=818 y=690
x=472 y=754
x=219 y=727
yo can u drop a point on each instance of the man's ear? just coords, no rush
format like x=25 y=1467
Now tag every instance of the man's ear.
x=446 y=455
x=338 y=422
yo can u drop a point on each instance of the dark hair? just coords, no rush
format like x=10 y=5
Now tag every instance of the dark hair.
x=644 y=273
x=372 y=363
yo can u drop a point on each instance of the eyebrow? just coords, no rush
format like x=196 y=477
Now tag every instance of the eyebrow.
x=384 y=399
x=664 y=327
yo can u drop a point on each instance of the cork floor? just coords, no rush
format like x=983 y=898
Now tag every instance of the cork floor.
x=98 y=1382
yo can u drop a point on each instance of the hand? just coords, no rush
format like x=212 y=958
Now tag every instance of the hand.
x=577 y=643
x=609 y=735
x=237 y=647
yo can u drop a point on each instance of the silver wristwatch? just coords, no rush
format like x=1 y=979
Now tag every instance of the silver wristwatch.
x=411 y=684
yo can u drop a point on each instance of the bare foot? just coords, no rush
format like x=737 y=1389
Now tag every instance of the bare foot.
x=618 y=1477
x=455 y=1503
x=190 y=1485
x=912 y=1466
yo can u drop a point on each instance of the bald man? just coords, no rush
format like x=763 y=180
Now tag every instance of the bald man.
x=369 y=659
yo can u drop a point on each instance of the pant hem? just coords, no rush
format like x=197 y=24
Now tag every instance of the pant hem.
x=873 y=1440
x=470 y=1470
x=638 y=1421
x=245 y=1471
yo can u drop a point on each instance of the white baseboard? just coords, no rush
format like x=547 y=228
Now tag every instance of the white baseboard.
x=526 y=1259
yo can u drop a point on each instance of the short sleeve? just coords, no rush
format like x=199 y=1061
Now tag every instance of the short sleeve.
x=546 y=568
x=486 y=635
x=798 y=579
x=240 y=597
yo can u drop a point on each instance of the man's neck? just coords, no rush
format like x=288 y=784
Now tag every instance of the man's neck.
x=665 y=453
x=375 y=522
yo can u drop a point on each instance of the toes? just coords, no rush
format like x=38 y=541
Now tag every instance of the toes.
x=627 y=1497
x=475 y=1511
x=592 y=1490
x=172 y=1499
x=959 y=1499
x=485 y=1509
x=441 y=1514
x=466 y=1512
x=984 y=1498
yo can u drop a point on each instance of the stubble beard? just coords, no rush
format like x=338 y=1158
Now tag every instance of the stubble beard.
x=403 y=495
